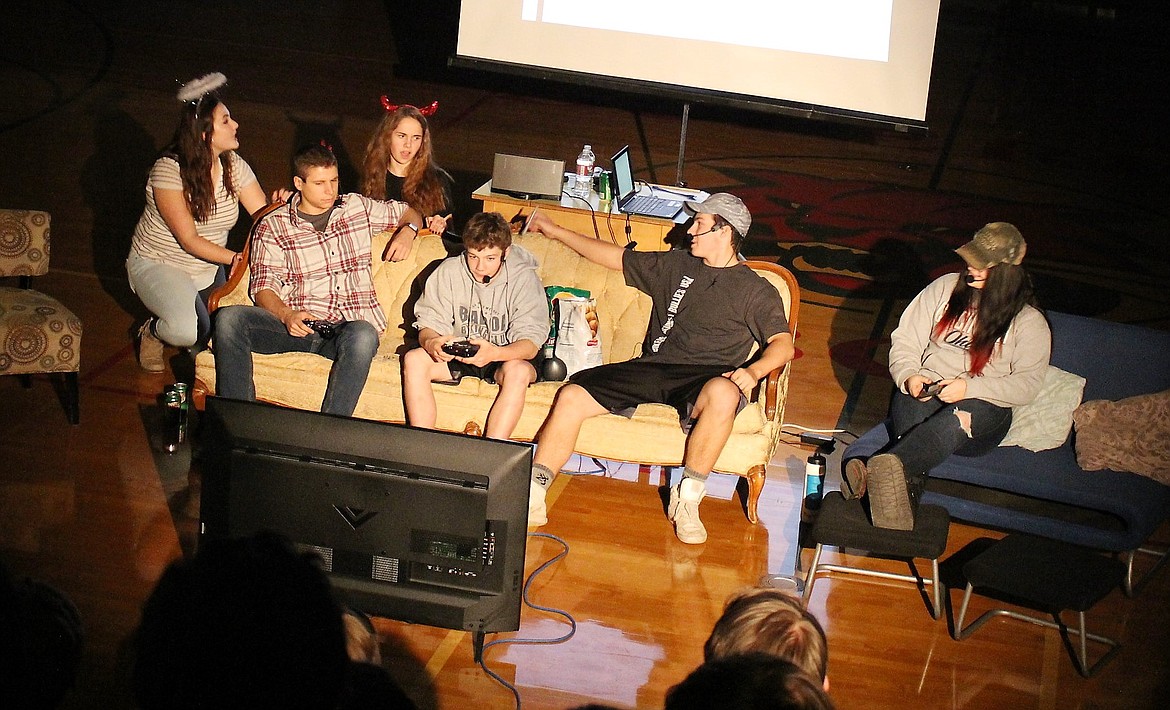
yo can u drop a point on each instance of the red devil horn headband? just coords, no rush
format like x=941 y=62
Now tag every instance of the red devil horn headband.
x=427 y=111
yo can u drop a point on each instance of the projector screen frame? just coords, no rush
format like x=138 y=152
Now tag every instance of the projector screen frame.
x=689 y=94
x=854 y=61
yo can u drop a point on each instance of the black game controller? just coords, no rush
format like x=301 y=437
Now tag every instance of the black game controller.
x=325 y=328
x=930 y=389
x=460 y=348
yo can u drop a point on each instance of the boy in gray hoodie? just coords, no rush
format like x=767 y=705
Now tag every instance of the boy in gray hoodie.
x=482 y=313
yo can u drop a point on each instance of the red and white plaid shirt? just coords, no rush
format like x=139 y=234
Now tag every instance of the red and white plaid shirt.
x=327 y=274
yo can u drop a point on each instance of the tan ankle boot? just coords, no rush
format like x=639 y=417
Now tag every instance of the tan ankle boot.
x=150 y=349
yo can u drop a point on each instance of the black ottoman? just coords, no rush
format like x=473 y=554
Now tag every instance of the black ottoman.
x=1046 y=575
x=844 y=523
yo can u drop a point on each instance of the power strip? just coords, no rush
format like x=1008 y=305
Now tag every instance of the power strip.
x=821 y=441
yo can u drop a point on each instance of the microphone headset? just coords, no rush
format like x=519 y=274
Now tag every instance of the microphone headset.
x=736 y=237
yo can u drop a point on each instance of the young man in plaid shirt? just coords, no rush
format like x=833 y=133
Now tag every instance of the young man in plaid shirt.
x=312 y=283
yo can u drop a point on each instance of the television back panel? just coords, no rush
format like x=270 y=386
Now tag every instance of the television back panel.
x=362 y=521
x=411 y=524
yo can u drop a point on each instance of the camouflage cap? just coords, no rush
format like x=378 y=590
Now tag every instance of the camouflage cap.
x=996 y=243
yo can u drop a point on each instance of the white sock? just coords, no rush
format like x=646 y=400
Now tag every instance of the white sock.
x=542 y=476
x=691 y=489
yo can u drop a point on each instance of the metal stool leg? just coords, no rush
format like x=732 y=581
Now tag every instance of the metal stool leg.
x=811 y=575
x=1079 y=651
x=937 y=591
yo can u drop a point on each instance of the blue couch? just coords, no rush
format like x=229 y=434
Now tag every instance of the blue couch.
x=1046 y=493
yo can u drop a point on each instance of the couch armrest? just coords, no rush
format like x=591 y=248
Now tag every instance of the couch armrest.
x=241 y=266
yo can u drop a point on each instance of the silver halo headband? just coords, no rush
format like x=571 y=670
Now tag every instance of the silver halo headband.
x=194 y=91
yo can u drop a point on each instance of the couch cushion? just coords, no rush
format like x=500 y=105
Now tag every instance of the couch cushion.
x=1044 y=423
x=1132 y=434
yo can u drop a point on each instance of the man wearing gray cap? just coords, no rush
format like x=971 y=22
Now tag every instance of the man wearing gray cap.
x=709 y=310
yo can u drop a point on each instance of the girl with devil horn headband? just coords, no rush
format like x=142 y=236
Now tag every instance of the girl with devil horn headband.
x=400 y=164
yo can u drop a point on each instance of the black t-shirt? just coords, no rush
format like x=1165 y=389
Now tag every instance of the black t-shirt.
x=394 y=191
x=703 y=315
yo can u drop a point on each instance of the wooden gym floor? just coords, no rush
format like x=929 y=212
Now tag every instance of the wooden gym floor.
x=1059 y=125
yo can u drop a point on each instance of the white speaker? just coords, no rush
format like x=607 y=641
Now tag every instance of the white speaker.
x=527 y=177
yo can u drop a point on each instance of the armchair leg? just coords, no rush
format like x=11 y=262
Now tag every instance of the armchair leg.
x=755 y=478
x=72 y=398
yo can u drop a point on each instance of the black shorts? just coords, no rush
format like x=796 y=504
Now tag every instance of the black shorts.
x=459 y=370
x=487 y=373
x=621 y=386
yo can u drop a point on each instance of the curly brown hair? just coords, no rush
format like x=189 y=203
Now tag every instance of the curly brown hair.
x=190 y=147
x=424 y=187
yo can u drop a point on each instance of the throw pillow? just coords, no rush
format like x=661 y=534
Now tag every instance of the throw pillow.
x=1131 y=434
x=1044 y=422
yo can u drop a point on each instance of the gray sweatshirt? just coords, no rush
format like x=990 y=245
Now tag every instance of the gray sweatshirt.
x=511 y=307
x=1012 y=377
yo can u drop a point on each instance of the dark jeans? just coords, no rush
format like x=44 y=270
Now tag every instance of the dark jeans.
x=924 y=434
x=243 y=330
x=203 y=333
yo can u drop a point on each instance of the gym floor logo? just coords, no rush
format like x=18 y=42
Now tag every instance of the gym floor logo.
x=872 y=240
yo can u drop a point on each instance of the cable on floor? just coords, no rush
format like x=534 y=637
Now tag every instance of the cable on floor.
x=532 y=641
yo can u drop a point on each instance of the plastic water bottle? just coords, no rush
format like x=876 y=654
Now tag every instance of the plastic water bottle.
x=583 y=184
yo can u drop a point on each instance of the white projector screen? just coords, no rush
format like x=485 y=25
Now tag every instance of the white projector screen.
x=868 y=59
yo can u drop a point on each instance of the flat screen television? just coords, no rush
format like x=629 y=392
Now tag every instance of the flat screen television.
x=416 y=525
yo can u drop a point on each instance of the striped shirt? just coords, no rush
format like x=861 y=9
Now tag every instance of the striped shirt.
x=154 y=240
x=325 y=273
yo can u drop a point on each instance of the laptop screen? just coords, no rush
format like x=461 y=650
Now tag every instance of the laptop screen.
x=623 y=174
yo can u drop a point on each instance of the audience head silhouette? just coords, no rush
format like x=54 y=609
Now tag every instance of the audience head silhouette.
x=41 y=639
x=750 y=681
x=245 y=623
x=770 y=621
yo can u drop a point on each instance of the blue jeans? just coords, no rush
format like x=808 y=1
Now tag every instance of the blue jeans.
x=924 y=434
x=243 y=330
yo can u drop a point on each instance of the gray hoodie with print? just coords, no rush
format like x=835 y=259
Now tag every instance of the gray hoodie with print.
x=509 y=308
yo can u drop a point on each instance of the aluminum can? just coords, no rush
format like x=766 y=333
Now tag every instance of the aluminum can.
x=604 y=188
x=176 y=417
x=184 y=391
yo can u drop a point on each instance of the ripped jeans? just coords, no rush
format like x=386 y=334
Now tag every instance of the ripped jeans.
x=926 y=433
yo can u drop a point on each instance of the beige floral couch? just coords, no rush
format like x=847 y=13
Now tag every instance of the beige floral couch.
x=652 y=436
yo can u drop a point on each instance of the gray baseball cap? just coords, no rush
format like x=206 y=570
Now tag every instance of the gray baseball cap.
x=727 y=206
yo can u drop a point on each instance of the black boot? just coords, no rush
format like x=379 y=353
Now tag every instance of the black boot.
x=853 y=477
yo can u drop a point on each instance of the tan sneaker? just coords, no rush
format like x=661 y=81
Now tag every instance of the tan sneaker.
x=684 y=513
x=150 y=349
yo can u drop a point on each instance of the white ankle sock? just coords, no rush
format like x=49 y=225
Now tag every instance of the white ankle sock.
x=691 y=489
